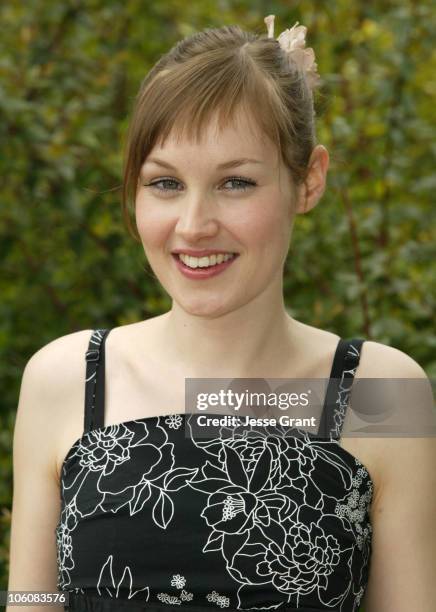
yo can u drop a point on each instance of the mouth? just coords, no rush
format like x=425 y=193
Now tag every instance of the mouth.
x=203 y=267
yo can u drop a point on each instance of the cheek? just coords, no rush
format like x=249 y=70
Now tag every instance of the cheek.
x=264 y=226
x=152 y=224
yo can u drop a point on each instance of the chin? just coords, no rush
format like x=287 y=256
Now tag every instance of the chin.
x=204 y=308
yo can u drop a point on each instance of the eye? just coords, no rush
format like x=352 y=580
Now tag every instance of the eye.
x=156 y=183
x=245 y=183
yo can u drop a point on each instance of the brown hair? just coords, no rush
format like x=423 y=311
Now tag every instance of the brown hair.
x=220 y=70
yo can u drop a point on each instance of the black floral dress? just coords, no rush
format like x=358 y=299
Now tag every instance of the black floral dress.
x=155 y=518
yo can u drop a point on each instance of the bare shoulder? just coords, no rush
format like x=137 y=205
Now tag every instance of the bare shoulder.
x=380 y=360
x=394 y=456
x=53 y=371
x=56 y=357
x=49 y=387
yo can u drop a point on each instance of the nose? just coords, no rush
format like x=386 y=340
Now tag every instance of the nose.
x=197 y=219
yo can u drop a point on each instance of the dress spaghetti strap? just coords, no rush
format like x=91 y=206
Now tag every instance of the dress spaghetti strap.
x=344 y=368
x=95 y=380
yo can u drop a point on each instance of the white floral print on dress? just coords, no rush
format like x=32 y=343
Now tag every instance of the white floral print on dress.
x=124 y=582
x=174 y=421
x=221 y=600
x=178 y=581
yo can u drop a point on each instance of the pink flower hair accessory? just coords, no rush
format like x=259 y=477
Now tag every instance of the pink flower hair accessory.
x=293 y=43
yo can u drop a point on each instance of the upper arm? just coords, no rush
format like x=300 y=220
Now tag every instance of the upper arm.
x=36 y=492
x=403 y=561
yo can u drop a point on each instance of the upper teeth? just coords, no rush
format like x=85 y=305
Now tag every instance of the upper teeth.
x=203 y=262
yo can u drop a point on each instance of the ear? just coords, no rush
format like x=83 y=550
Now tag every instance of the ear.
x=311 y=191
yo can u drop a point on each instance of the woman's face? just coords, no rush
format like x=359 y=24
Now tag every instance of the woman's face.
x=246 y=209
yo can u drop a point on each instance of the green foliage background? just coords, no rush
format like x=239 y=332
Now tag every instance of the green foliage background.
x=360 y=262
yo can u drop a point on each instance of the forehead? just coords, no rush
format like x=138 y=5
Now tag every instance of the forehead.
x=239 y=138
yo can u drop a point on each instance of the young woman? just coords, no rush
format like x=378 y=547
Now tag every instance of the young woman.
x=114 y=502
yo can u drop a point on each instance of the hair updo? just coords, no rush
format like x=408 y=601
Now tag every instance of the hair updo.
x=216 y=72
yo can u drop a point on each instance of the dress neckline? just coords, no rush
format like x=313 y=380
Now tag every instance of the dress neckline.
x=352 y=459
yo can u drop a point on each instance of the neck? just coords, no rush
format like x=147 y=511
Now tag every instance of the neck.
x=255 y=340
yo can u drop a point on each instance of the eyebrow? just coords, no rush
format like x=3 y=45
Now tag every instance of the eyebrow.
x=228 y=164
